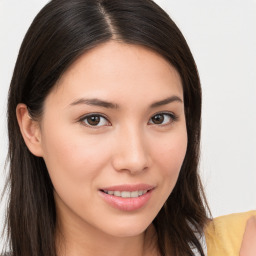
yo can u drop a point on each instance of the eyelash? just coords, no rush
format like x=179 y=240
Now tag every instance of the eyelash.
x=86 y=117
x=170 y=115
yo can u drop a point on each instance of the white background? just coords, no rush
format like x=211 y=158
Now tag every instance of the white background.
x=222 y=38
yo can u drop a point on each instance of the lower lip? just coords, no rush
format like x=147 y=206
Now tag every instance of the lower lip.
x=127 y=204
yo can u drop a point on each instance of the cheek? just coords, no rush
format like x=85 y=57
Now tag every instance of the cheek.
x=74 y=163
x=73 y=160
x=170 y=155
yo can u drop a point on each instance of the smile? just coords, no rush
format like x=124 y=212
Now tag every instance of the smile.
x=126 y=194
x=127 y=197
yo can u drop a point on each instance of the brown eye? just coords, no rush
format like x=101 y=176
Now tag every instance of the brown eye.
x=95 y=120
x=158 y=119
x=162 y=119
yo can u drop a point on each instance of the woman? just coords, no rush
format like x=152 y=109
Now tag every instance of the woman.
x=104 y=119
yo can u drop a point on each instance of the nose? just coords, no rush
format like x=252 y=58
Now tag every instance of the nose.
x=131 y=151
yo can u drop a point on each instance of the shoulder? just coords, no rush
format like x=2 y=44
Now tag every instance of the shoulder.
x=224 y=234
x=248 y=245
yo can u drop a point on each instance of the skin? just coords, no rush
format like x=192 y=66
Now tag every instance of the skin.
x=126 y=147
x=248 y=247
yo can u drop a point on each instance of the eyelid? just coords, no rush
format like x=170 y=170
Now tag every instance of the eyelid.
x=172 y=115
x=82 y=120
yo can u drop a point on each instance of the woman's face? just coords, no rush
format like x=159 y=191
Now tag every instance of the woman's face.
x=113 y=137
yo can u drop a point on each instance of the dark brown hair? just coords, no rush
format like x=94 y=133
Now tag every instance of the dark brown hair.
x=60 y=33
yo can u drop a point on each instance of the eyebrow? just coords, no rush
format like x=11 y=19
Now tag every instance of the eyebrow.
x=94 y=102
x=166 y=101
x=106 y=104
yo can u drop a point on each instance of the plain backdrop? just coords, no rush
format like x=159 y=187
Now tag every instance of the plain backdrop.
x=222 y=37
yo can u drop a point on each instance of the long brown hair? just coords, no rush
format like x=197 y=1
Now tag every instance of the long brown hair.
x=60 y=33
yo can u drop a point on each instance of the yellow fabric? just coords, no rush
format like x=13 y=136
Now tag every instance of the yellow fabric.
x=224 y=234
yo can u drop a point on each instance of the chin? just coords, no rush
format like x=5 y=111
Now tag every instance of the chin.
x=128 y=229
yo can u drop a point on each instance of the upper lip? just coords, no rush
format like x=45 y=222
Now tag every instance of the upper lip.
x=128 y=187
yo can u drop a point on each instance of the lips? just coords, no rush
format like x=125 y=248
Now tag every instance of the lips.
x=126 y=194
x=127 y=197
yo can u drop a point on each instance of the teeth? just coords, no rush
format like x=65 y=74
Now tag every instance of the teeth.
x=127 y=194
x=134 y=193
x=117 y=193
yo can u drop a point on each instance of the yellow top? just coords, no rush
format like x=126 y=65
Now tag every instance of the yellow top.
x=224 y=234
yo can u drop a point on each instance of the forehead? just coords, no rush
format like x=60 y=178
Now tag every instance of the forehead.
x=119 y=70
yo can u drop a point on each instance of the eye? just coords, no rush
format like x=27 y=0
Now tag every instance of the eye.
x=95 y=120
x=162 y=119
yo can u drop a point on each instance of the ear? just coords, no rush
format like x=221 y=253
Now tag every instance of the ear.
x=30 y=130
